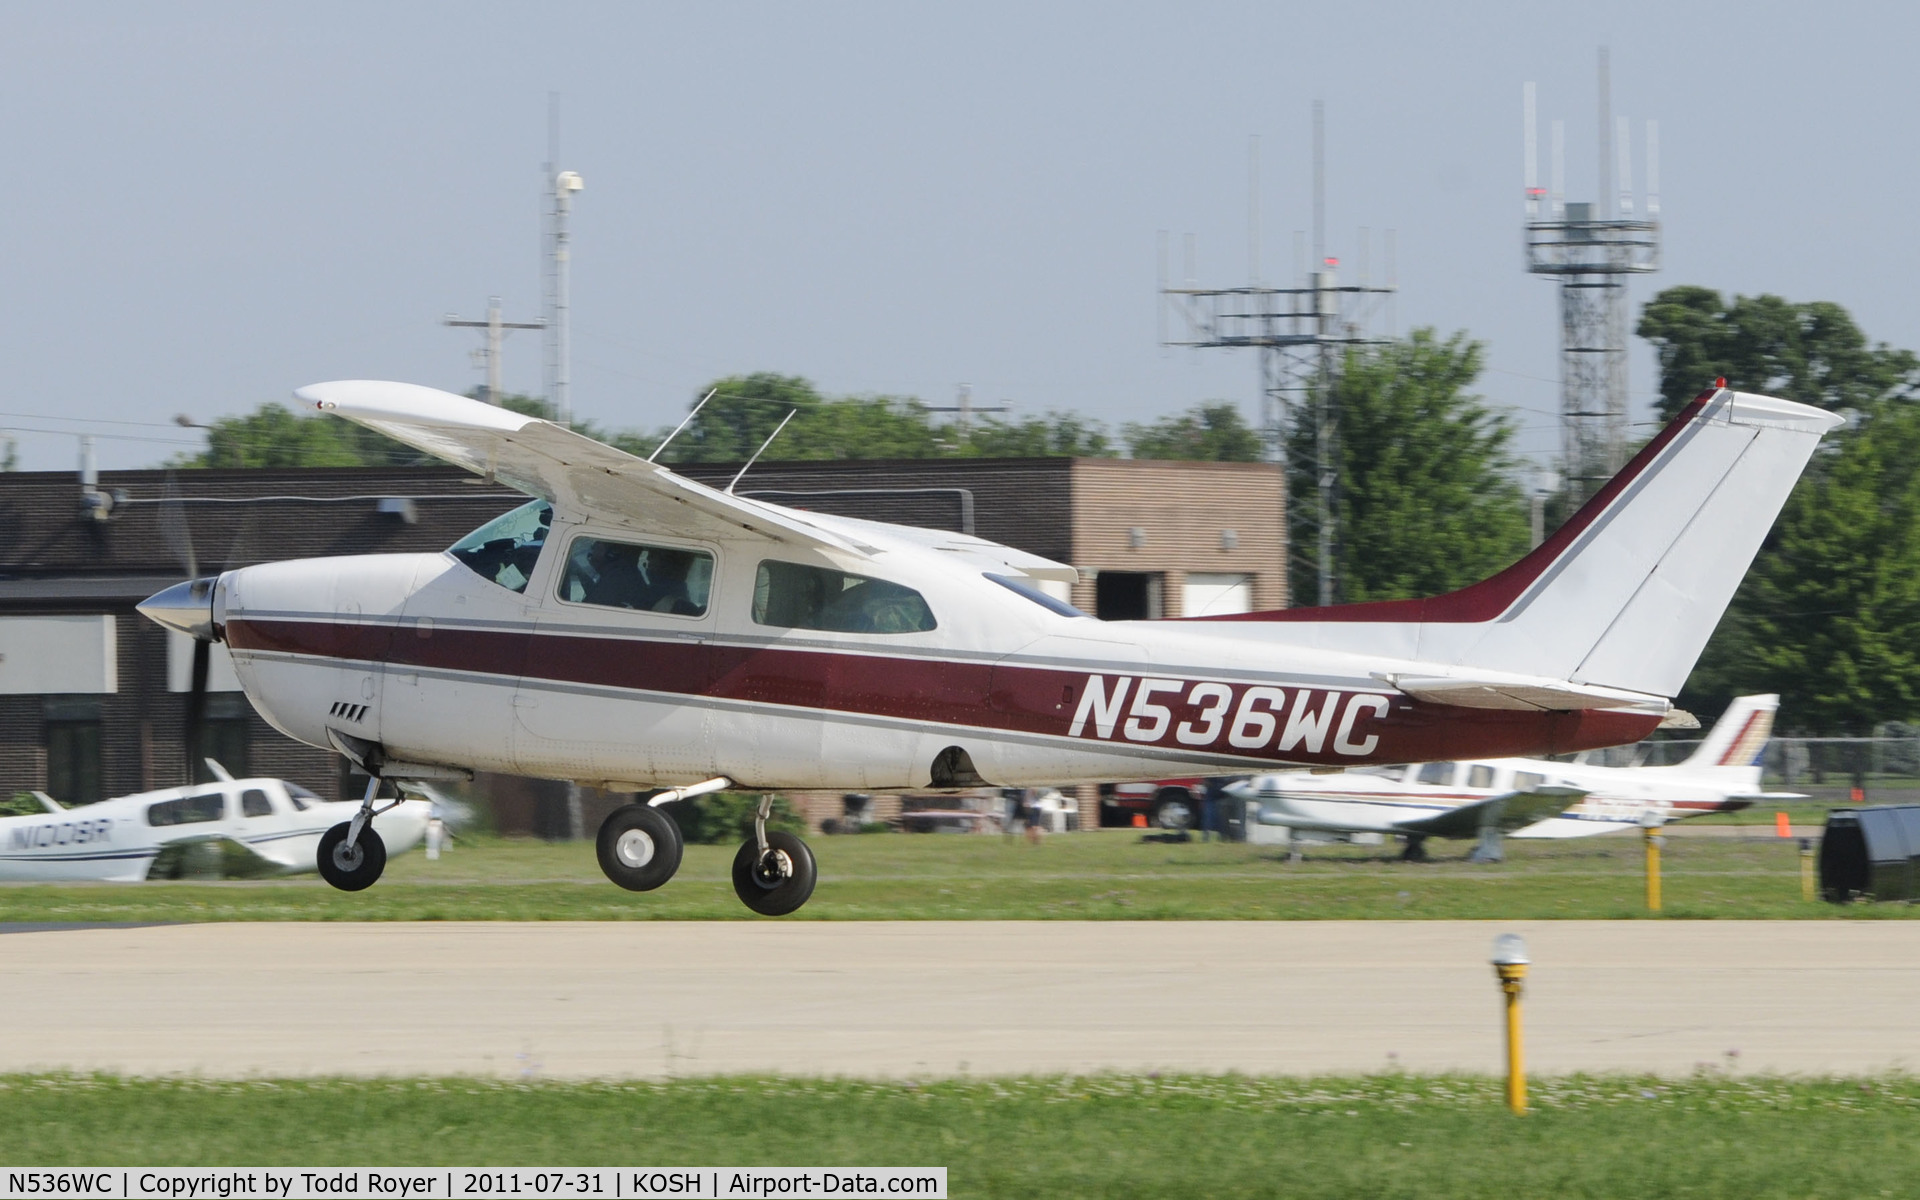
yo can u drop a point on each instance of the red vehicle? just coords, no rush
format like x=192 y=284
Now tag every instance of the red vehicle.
x=1165 y=803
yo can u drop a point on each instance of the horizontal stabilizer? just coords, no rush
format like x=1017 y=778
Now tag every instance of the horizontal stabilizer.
x=1506 y=813
x=1519 y=693
x=1768 y=797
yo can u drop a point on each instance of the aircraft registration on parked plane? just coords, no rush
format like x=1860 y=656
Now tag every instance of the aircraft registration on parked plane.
x=231 y=827
x=631 y=628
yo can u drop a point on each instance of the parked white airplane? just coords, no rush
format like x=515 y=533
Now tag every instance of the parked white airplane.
x=635 y=629
x=246 y=827
x=1516 y=796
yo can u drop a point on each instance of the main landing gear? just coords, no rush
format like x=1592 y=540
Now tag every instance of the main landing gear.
x=351 y=855
x=639 y=848
x=774 y=873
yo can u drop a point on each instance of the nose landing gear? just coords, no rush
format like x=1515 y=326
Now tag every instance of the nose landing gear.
x=774 y=873
x=351 y=855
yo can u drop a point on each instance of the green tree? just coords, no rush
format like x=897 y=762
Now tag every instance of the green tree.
x=746 y=409
x=1810 y=352
x=1208 y=432
x=275 y=436
x=1829 y=615
x=1426 y=499
x=1055 y=435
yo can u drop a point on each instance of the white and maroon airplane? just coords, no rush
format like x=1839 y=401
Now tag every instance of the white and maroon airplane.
x=1524 y=797
x=633 y=629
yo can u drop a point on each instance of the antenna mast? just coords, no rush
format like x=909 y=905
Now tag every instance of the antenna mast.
x=1300 y=333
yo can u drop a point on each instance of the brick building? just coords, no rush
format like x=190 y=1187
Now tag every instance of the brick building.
x=93 y=696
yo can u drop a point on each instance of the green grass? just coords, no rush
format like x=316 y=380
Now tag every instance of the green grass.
x=1110 y=875
x=1378 y=1137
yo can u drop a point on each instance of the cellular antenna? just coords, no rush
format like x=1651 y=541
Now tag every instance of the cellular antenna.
x=1530 y=148
x=1253 y=210
x=1559 y=169
x=1625 y=132
x=1605 y=196
x=1653 y=168
x=682 y=425
x=763 y=447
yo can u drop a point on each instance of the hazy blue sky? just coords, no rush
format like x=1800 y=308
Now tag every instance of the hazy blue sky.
x=208 y=205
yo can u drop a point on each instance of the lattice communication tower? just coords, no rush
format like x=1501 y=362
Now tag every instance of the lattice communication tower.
x=1592 y=248
x=1302 y=335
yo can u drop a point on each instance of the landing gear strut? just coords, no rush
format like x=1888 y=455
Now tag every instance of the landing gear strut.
x=1416 y=850
x=639 y=847
x=774 y=873
x=351 y=855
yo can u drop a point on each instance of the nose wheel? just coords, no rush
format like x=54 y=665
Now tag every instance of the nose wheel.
x=351 y=865
x=639 y=847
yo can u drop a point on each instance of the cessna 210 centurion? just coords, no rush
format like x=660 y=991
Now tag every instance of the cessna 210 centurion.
x=631 y=628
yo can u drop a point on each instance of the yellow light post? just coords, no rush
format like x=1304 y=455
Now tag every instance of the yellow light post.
x=1510 y=967
x=1806 y=869
x=1650 y=823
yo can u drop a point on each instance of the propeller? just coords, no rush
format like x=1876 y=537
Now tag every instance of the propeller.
x=173 y=526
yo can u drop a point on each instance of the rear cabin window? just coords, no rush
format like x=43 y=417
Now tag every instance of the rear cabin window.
x=504 y=550
x=1526 y=781
x=1441 y=773
x=1480 y=776
x=801 y=597
x=254 y=803
x=188 y=810
x=644 y=578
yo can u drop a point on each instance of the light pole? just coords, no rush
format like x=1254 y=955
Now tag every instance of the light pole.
x=1510 y=967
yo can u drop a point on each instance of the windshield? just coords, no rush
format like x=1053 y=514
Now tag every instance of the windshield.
x=504 y=550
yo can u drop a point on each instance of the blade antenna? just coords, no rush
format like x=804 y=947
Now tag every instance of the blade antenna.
x=682 y=425
x=763 y=447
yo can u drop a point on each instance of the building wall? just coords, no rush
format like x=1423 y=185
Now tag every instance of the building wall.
x=1183 y=512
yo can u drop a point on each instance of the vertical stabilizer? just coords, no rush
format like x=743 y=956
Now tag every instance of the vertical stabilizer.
x=1739 y=737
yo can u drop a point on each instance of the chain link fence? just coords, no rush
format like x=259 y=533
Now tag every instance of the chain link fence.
x=1891 y=756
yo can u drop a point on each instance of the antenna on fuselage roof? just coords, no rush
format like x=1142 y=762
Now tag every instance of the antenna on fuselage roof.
x=763 y=447
x=683 y=424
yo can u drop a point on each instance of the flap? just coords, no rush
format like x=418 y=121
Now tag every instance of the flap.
x=568 y=469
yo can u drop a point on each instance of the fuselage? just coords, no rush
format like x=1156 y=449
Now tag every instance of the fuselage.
x=119 y=840
x=801 y=668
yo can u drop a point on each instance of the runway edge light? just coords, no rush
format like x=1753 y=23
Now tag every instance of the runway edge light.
x=1510 y=967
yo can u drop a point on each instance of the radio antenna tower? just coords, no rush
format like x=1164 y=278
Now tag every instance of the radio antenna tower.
x=1592 y=248
x=1301 y=333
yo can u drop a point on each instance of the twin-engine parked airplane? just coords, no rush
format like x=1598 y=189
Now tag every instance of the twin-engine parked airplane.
x=634 y=629
x=1527 y=798
x=243 y=827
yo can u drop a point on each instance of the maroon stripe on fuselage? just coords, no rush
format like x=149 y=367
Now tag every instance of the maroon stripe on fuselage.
x=1489 y=598
x=1003 y=697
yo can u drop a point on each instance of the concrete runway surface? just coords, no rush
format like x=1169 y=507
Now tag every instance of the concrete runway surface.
x=941 y=998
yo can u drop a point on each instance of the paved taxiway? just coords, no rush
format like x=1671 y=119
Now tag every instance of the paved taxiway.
x=651 y=999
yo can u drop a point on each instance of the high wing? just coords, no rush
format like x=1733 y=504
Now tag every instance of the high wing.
x=1508 y=812
x=568 y=469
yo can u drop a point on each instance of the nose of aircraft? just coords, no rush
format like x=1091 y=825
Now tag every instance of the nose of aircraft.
x=187 y=607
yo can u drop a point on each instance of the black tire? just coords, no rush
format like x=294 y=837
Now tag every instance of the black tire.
x=639 y=847
x=1173 y=810
x=355 y=871
x=781 y=883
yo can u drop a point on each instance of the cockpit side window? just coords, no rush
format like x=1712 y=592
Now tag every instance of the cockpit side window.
x=188 y=810
x=254 y=803
x=504 y=550
x=802 y=597
x=658 y=579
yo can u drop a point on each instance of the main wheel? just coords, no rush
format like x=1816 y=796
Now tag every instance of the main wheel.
x=778 y=882
x=639 y=847
x=350 y=870
x=1173 y=809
